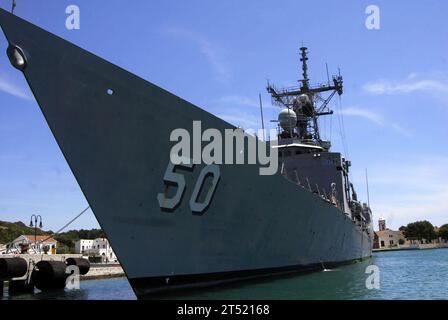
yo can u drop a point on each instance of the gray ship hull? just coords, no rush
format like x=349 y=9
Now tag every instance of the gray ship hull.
x=118 y=148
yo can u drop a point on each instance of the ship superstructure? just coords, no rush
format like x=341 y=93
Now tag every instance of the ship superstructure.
x=306 y=158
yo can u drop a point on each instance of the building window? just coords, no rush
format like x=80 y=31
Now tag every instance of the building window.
x=382 y=243
x=391 y=242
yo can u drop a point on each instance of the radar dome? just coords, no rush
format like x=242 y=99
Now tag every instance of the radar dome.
x=287 y=119
x=304 y=100
x=303 y=105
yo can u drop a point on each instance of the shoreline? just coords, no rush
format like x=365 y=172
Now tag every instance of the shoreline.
x=102 y=277
x=406 y=249
x=104 y=272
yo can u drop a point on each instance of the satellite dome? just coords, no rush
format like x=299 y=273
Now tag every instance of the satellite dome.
x=287 y=119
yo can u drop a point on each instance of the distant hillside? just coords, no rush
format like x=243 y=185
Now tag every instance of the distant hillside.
x=11 y=230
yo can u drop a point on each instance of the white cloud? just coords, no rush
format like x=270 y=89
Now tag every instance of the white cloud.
x=375 y=118
x=408 y=189
x=9 y=88
x=409 y=208
x=242 y=111
x=242 y=101
x=239 y=101
x=413 y=83
x=209 y=50
x=241 y=119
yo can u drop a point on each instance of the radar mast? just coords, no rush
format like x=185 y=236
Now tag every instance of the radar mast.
x=306 y=103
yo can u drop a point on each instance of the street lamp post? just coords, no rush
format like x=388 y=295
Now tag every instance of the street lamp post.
x=35 y=218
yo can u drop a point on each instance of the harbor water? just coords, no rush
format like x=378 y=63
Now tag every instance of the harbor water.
x=409 y=274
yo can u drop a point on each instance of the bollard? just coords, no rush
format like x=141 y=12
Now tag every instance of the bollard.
x=13 y=268
x=49 y=275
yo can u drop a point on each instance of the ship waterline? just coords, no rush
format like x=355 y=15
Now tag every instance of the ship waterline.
x=114 y=131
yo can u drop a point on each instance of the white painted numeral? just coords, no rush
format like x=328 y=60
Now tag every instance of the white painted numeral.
x=178 y=179
x=196 y=206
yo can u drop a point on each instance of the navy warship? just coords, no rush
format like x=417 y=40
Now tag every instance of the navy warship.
x=179 y=226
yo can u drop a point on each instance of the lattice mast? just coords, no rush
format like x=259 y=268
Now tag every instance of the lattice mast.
x=307 y=103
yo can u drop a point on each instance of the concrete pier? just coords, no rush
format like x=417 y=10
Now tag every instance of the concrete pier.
x=104 y=272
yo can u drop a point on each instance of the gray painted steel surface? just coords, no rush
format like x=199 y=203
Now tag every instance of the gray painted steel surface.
x=118 y=149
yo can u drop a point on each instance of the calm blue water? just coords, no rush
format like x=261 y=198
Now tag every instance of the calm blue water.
x=417 y=274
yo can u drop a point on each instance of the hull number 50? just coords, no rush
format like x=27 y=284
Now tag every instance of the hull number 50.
x=173 y=178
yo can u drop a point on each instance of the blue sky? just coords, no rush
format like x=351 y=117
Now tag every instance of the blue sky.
x=218 y=56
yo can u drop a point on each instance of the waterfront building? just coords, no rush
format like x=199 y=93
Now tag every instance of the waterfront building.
x=386 y=238
x=99 y=247
x=83 y=245
x=382 y=224
x=390 y=238
x=33 y=245
x=376 y=241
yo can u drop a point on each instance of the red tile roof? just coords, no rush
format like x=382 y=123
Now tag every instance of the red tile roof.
x=39 y=238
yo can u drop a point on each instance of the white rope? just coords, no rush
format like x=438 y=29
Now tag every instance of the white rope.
x=66 y=225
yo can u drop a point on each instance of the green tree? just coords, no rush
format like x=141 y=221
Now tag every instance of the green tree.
x=11 y=230
x=63 y=249
x=443 y=232
x=420 y=230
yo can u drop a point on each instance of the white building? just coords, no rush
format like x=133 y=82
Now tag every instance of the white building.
x=390 y=238
x=83 y=245
x=99 y=247
x=382 y=224
x=386 y=238
x=35 y=245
